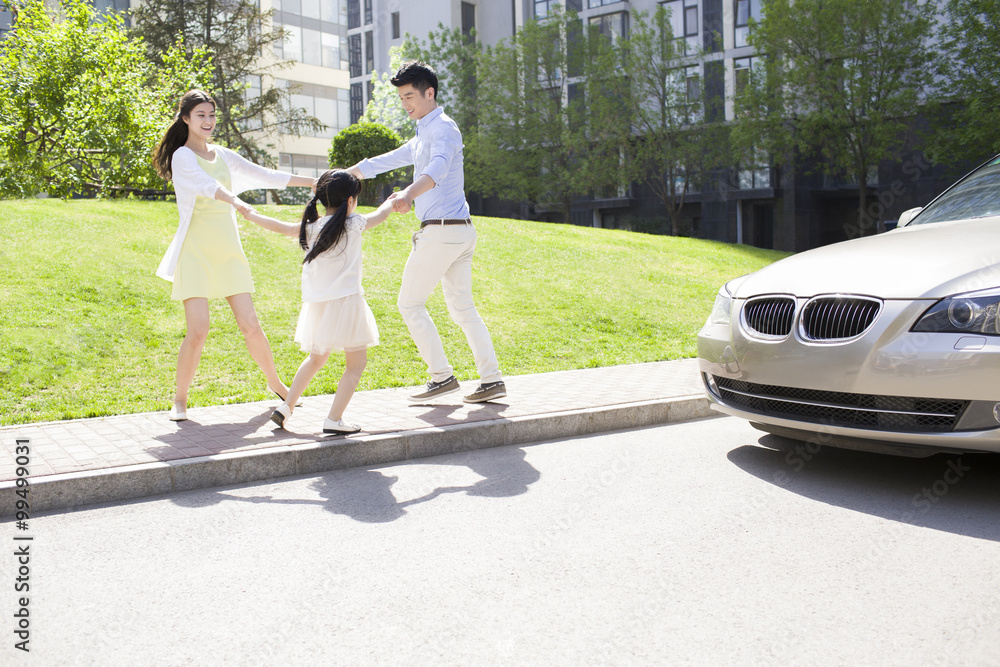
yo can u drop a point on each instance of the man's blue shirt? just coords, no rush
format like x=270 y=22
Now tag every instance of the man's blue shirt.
x=436 y=151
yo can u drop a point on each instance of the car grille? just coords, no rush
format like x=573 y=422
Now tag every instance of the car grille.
x=769 y=316
x=868 y=411
x=838 y=318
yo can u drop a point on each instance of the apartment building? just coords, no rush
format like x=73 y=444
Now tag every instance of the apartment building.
x=787 y=207
x=374 y=26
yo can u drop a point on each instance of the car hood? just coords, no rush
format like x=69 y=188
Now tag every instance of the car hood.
x=920 y=262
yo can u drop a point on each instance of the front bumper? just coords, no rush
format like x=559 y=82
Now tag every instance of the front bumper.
x=888 y=385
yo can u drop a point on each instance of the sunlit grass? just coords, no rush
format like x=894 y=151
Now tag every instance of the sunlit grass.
x=89 y=330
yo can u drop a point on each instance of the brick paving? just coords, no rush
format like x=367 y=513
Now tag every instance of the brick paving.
x=124 y=440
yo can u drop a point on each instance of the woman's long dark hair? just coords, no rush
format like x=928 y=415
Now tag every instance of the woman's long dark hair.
x=333 y=189
x=177 y=134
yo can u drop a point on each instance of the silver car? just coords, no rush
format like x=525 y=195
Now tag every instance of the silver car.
x=886 y=343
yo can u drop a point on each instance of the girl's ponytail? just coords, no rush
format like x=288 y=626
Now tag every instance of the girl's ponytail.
x=177 y=134
x=308 y=216
x=333 y=189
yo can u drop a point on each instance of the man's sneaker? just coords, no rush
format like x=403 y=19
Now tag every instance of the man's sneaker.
x=436 y=389
x=487 y=392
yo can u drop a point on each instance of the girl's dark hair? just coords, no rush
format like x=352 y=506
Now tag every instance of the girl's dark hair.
x=333 y=189
x=177 y=134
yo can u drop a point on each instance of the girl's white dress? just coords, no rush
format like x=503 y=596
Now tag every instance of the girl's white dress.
x=335 y=315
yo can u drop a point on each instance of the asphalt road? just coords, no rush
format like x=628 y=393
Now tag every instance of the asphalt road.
x=692 y=543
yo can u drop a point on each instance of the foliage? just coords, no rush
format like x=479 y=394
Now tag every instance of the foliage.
x=841 y=78
x=970 y=42
x=364 y=140
x=89 y=330
x=537 y=139
x=81 y=107
x=236 y=32
x=662 y=113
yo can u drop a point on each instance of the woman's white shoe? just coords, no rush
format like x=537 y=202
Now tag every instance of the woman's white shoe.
x=280 y=414
x=178 y=414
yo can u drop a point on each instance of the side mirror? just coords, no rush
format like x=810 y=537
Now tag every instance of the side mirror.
x=908 y=215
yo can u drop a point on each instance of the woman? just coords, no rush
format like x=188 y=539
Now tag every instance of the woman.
x=205 y=260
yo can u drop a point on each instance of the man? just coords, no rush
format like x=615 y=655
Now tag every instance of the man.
x=444 y=245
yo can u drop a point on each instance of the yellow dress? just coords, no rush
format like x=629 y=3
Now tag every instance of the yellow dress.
x=212 y=263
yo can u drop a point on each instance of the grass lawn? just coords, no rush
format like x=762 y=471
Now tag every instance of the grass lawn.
x=89 y=330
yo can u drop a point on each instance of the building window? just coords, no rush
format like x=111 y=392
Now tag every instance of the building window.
x=542 y=7
x=370 y=90
x=6 y=19
x=310 y=166
x=250 y=97
x=329 y=105
x=291 y=47
x=713 y=25
x=312 y=50
x=742 y=71
x=755 y=175
x=357 y=102
x=328 y=11
x=355 y=41
x=601 y=3
x=692 y=85
x=353 y=14
x=612 y=26
x=684 y=22
x=368 y=12
x=333 y=11
x=334 y=48
x=369 y=52
x=468 y=18
x=108 y=6
x=744 y=11
x=323 y=42
x=395 y=25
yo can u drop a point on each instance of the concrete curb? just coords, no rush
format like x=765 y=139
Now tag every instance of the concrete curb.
x=61 y=491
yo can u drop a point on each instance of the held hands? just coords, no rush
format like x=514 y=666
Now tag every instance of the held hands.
x=243 y=208
x=401 y=203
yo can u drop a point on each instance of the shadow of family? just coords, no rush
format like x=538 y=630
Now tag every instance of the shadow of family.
x=367 y=494
x=194 y=438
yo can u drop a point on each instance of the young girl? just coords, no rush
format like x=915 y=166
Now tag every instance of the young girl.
x=335 y=315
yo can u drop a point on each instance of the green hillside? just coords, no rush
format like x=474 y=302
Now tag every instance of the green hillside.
x=89 y=330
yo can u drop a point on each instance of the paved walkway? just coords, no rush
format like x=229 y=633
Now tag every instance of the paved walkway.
x=115 y=458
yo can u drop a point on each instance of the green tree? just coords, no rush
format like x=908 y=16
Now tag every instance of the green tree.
x=81 y=107
x=662 y=113
x=970 y=42
x=364 y=140
x=842 y=79
x=237 y=33
x=537 y=140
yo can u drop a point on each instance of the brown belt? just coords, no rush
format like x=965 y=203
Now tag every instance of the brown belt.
x=446 y=221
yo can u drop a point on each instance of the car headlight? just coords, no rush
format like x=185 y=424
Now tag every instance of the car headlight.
x=722 y=308
x=975 y=312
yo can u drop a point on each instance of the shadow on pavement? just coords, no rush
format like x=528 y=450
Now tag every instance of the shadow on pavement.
x=955 y=493
x=366 y=494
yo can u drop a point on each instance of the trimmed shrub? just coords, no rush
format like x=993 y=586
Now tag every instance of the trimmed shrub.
x=364 y=140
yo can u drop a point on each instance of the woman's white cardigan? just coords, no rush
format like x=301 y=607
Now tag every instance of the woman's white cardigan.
x=190 y=180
